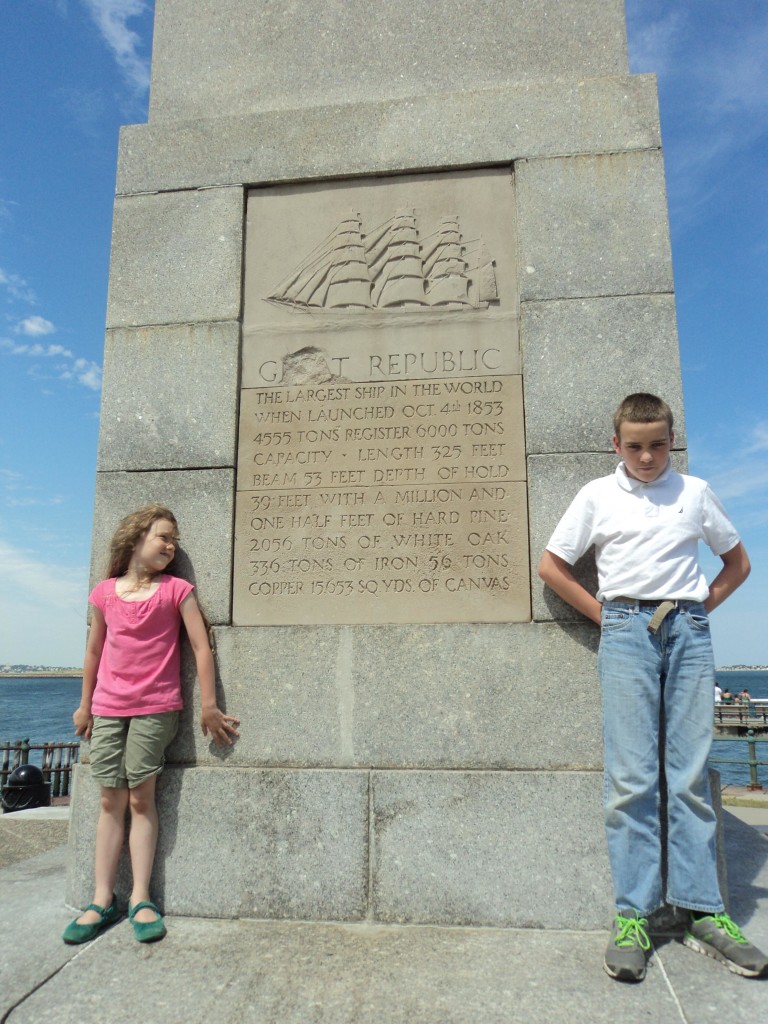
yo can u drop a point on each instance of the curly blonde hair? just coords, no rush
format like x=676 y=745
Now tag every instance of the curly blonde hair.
x=130 y=531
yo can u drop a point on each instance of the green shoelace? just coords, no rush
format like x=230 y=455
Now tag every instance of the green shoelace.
x=730 y=927
x=632 y=932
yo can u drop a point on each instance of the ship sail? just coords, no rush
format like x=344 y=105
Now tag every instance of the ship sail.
x=335 y=274
x=394 y=256
x=392 y=267
x=445 y=266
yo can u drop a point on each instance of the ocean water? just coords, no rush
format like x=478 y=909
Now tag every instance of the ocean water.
x=41 y=710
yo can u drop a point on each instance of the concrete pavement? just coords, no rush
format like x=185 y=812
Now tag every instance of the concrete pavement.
x=308 y=973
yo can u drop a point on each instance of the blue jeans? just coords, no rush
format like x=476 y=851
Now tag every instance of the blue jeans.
x=646 y=677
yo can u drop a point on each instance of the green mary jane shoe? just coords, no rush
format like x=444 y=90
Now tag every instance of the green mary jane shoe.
x=76 y=933
x=147 y=931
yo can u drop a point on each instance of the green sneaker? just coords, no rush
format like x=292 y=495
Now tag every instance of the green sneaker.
x=629 y=947
x=717 y=936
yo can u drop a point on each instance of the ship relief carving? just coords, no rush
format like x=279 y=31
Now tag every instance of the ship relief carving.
x=392 y=267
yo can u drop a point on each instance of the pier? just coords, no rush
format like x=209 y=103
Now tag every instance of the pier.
x=739 y=719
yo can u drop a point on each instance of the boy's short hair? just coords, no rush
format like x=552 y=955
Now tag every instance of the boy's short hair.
x=641 y=408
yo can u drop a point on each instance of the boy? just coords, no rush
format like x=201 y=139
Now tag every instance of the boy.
x=655 y=658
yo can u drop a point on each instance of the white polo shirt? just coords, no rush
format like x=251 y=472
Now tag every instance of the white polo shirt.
x=646 y=535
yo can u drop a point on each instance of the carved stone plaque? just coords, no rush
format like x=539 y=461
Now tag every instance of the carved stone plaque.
x=381 y=459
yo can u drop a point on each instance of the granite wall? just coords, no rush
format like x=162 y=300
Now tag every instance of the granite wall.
x=433 y=773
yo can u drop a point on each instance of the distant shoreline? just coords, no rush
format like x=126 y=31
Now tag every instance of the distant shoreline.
x=743 y=668
x=57 y=673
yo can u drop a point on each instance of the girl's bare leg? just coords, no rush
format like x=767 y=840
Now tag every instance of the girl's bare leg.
x=110 y=832
x=142 y=841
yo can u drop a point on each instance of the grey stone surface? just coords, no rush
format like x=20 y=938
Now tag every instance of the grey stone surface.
x=265 y=844
x=593 y=225
x=473 y=126
x=32 y=918
x=582 y=356
x=26 y=833
x=270 y=973
x=746 y=854
x=553 y=482
x=706 y=991
x=203 y=502
x=300 y=53
x=463 y=696
x=291 y=973
x=176 y=258
x=468 y=848
x=247 y=95
x=170 y=397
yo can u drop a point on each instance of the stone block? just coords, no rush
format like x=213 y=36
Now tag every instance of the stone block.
x=553 y=482
x=505 y=849
x=203 y=502
x=582 y=356
x=170 y=397
x=32 y=894
x=593 y=225
x=176 y=258
x=262 y=844
x=502 y=123
x=461 y=696
x=302 y=54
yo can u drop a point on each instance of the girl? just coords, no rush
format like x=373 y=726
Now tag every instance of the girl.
x=130 y=705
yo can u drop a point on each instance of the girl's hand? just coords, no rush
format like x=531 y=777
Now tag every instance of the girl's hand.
x=83 y=723
x=219 y=725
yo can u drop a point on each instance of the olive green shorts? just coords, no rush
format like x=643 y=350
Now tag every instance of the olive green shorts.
x=127 y=751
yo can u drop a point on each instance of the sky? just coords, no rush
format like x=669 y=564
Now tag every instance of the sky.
x=73 y=71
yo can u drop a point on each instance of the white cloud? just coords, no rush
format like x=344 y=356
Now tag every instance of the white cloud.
x=37 y=350
x=84 y=372
x=29 y=577
x=42 y=609
x=742 y=481
x=652 y=42
x=17 y=287
x=759 y=439
x=111 y=17
x=738 y=475
x=34 y=326
x=34 y=502
x=713 y=78
x=9 y=477
x=17 y=493
x=68 y=366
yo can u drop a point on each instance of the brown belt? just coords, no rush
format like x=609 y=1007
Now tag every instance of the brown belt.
x=663 y=608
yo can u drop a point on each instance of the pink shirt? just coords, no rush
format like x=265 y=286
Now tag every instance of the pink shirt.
x=140 y=668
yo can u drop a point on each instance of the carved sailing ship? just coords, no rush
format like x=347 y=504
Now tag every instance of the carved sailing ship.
x=392 y=268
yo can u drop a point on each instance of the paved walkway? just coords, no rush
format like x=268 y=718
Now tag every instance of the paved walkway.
x=299 y=973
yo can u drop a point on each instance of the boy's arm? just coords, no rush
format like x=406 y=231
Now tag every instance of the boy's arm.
x=83 y=718
x=557 y=574
x=735 y=570
x=212 y=718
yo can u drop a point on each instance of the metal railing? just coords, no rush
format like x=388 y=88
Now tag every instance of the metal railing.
x=56 y=761
x=756 y=711
x=751 y=761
